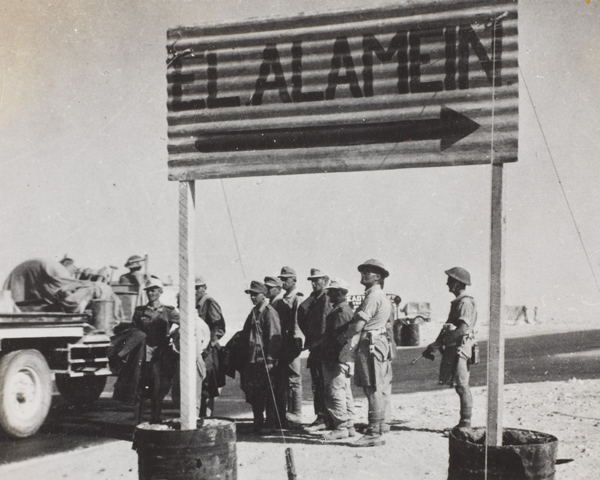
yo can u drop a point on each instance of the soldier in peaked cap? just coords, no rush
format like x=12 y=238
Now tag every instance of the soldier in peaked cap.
x=158 y=364
x=311 y=319
x=338 y=393
x=210 y=311
x=368 y=332
x=275 y=294
x=260 y=343
x=292 y=340
x=455 y=341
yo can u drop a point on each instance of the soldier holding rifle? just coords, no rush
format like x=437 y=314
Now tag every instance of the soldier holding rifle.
x=455 y=342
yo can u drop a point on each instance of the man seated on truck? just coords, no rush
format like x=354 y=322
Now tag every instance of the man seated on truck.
x=135 y=275
x=69 y=264
x=47 y=286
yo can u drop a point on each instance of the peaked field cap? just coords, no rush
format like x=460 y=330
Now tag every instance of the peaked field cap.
x=338 y=284
x=376 y=265
x=134 y=260
x=287 y=272
x=257 y=287
x=459 y=274
x=316 y=273
x=199 y=281
x=153 y=282
x=273 y=282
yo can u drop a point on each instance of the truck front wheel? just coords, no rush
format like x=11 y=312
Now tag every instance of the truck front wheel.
x=25 y=392
x=80 y=390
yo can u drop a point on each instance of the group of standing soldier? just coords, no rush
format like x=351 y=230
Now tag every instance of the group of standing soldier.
x=342 y=343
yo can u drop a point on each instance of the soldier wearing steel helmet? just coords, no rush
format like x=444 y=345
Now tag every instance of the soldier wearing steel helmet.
x=367 y=331
x=455 y=341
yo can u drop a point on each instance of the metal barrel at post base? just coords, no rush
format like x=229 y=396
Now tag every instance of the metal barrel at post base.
x=523 y=455
x=410 y=335
x=165 y=452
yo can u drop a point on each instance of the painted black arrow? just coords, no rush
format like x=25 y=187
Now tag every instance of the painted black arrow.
x=449 y=128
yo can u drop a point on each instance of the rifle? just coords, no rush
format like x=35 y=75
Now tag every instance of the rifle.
x=415 y=360
x=427 y=353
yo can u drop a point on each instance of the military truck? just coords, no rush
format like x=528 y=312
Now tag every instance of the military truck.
x=37 y=347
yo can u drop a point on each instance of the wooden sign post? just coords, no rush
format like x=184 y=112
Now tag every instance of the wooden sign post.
x=187 y=305
x=495 y=366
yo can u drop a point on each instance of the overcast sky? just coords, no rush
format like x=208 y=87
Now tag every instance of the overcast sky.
x=83 y=157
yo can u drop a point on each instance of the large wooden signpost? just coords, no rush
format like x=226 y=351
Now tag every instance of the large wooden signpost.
x=424 y=83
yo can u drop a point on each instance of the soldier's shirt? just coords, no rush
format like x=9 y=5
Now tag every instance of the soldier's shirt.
x=375 y=309
x=155 y=322
x=463 y=309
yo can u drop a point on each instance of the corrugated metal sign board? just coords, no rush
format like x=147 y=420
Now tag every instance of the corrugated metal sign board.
x=425 y=83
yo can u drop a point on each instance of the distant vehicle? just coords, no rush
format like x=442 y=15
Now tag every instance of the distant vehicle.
x=416 y=312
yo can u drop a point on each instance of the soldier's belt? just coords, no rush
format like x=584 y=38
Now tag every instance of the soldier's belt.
x=374 y=333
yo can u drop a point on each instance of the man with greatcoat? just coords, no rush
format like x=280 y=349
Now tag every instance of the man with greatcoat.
x=260 y=343
x=293 y=340
x=373 y=368
x=210 y=311
x=275 y=294
x=311 y=319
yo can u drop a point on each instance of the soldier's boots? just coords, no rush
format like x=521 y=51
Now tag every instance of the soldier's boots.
x=373 y=436
x=370 y=439
x=351 y=431
x=336 y=434
x=385 y=427
x=317 y=426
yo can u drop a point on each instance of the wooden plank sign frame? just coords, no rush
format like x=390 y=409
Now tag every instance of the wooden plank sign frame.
x=417 y=85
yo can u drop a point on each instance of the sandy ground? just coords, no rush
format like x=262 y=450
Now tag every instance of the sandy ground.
x=416 y=448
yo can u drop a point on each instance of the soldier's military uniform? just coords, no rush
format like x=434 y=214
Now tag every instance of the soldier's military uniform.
x=455 y=341
x=311 y=319
x=454 y=369
x=290 y=367
x=338 y=392
x=373 y=368
x=159 y=362
x=210 y=311
x=260 y=343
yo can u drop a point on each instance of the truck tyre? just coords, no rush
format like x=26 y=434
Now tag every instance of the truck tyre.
x=25 y=392
x=80 y=390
